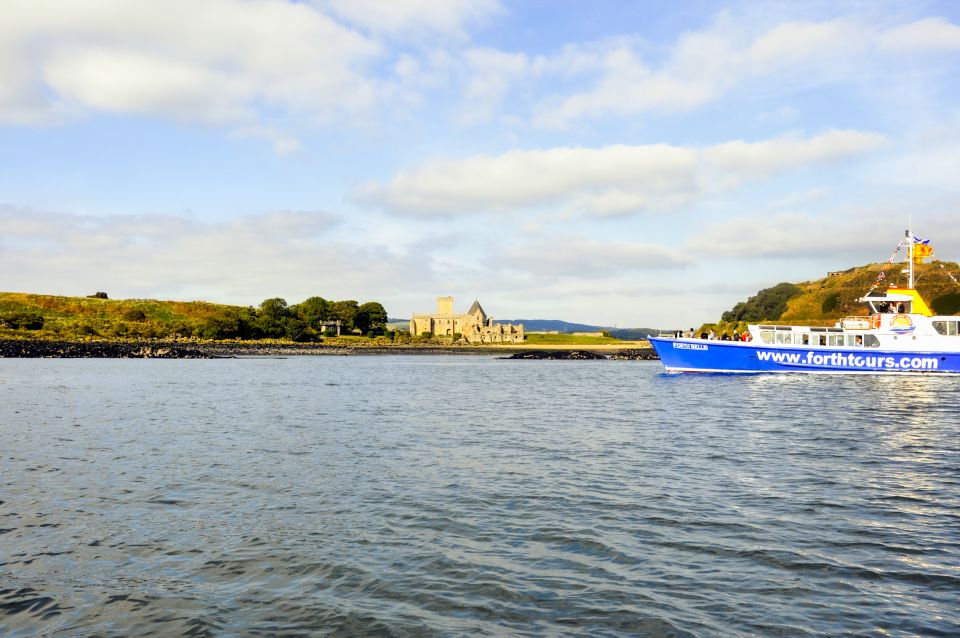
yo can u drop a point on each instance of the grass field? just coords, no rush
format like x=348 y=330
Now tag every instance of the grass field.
x=567 y=340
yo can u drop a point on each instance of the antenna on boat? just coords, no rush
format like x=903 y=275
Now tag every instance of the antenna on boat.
x=910 y=251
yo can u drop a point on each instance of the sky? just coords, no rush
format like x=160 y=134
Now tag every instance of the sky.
x=630 y=164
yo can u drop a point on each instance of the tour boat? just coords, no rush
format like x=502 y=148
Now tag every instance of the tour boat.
x=900 y=335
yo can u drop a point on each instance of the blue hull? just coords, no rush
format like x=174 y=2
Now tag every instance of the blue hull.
x=698 y=355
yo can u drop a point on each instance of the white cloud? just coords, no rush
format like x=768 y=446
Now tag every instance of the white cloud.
x=704 y=65
x=602 y=182
x=585 y=258
x=221 y=62
x=243 y=260
x=928 y=34
x=847 y=237
x=413 y=18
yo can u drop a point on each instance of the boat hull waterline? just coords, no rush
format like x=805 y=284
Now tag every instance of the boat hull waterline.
x=699 y=355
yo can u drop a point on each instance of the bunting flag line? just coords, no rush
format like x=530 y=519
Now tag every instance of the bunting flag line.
x=949 y=274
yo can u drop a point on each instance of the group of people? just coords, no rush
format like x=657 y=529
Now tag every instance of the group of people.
x=891 y=307
x=712 y=336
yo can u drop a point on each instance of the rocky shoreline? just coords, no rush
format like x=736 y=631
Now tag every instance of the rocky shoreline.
x=29 y=349
x=639 y=354
x=98 y=349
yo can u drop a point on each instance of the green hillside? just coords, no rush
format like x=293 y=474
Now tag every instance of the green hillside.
x=824 y=301
x=31 y=316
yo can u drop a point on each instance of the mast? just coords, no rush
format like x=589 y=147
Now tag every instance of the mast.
x=910 y=253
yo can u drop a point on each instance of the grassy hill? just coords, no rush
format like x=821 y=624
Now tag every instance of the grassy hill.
x=824 y=301
x=48 y=316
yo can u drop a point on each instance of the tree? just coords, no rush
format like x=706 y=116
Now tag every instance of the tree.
x=313 y=311
x=275 y=308
x=295 y=329
x=371 y=317
x=345 y=311
x=272 y=316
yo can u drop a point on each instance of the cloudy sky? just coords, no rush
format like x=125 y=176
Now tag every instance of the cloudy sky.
x=642 y=163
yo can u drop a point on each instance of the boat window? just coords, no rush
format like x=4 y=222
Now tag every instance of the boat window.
x=855 y=341
x=805 y=339
x=766 y=336
x=950 y=328
x=823 y=340
x=871 y=341
x=836 y=340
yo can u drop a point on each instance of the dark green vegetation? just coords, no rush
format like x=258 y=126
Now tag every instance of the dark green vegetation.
x=71 y=318
x=826 y=300
x=768 y=303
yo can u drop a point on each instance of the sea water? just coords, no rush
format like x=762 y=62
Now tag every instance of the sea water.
x=468 y=495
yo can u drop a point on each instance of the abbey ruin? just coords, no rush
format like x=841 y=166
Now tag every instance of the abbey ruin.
x=474 y=326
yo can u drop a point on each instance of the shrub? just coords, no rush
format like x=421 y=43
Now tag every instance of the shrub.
x=830 y=302
x=134 y=314
x=25 y=319
x=98 y=295
x=948 y=304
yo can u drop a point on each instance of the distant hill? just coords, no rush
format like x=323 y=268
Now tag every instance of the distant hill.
x=549 y=325
x=835 y=296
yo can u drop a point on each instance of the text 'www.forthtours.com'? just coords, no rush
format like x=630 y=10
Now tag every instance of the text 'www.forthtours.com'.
x=839 y=360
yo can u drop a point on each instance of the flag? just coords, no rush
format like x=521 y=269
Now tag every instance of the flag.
x=922 y=250
x=917 y=240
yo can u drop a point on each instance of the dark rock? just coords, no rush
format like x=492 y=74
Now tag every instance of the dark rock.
x=641 y=354
x=556 y=354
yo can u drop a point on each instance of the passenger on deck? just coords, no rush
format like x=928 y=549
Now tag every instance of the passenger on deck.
x=736 y=335
x=725 y=337
x=900 y=307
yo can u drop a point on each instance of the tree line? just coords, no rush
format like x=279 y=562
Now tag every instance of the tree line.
x=274 y=318
x=305 y=321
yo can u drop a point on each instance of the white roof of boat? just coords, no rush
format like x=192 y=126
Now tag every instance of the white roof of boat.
x=887 y=296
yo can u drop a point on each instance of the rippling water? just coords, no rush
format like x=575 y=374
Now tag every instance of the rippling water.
x=465 y=495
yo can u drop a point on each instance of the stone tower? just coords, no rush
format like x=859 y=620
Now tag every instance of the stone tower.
x=444 y=305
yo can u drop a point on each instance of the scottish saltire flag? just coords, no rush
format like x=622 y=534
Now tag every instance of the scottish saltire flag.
x=917 y=240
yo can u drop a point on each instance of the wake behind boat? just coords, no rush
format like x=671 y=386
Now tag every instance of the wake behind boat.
x=900 y=335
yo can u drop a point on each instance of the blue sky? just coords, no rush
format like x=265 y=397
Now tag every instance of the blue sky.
x=617 y=163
